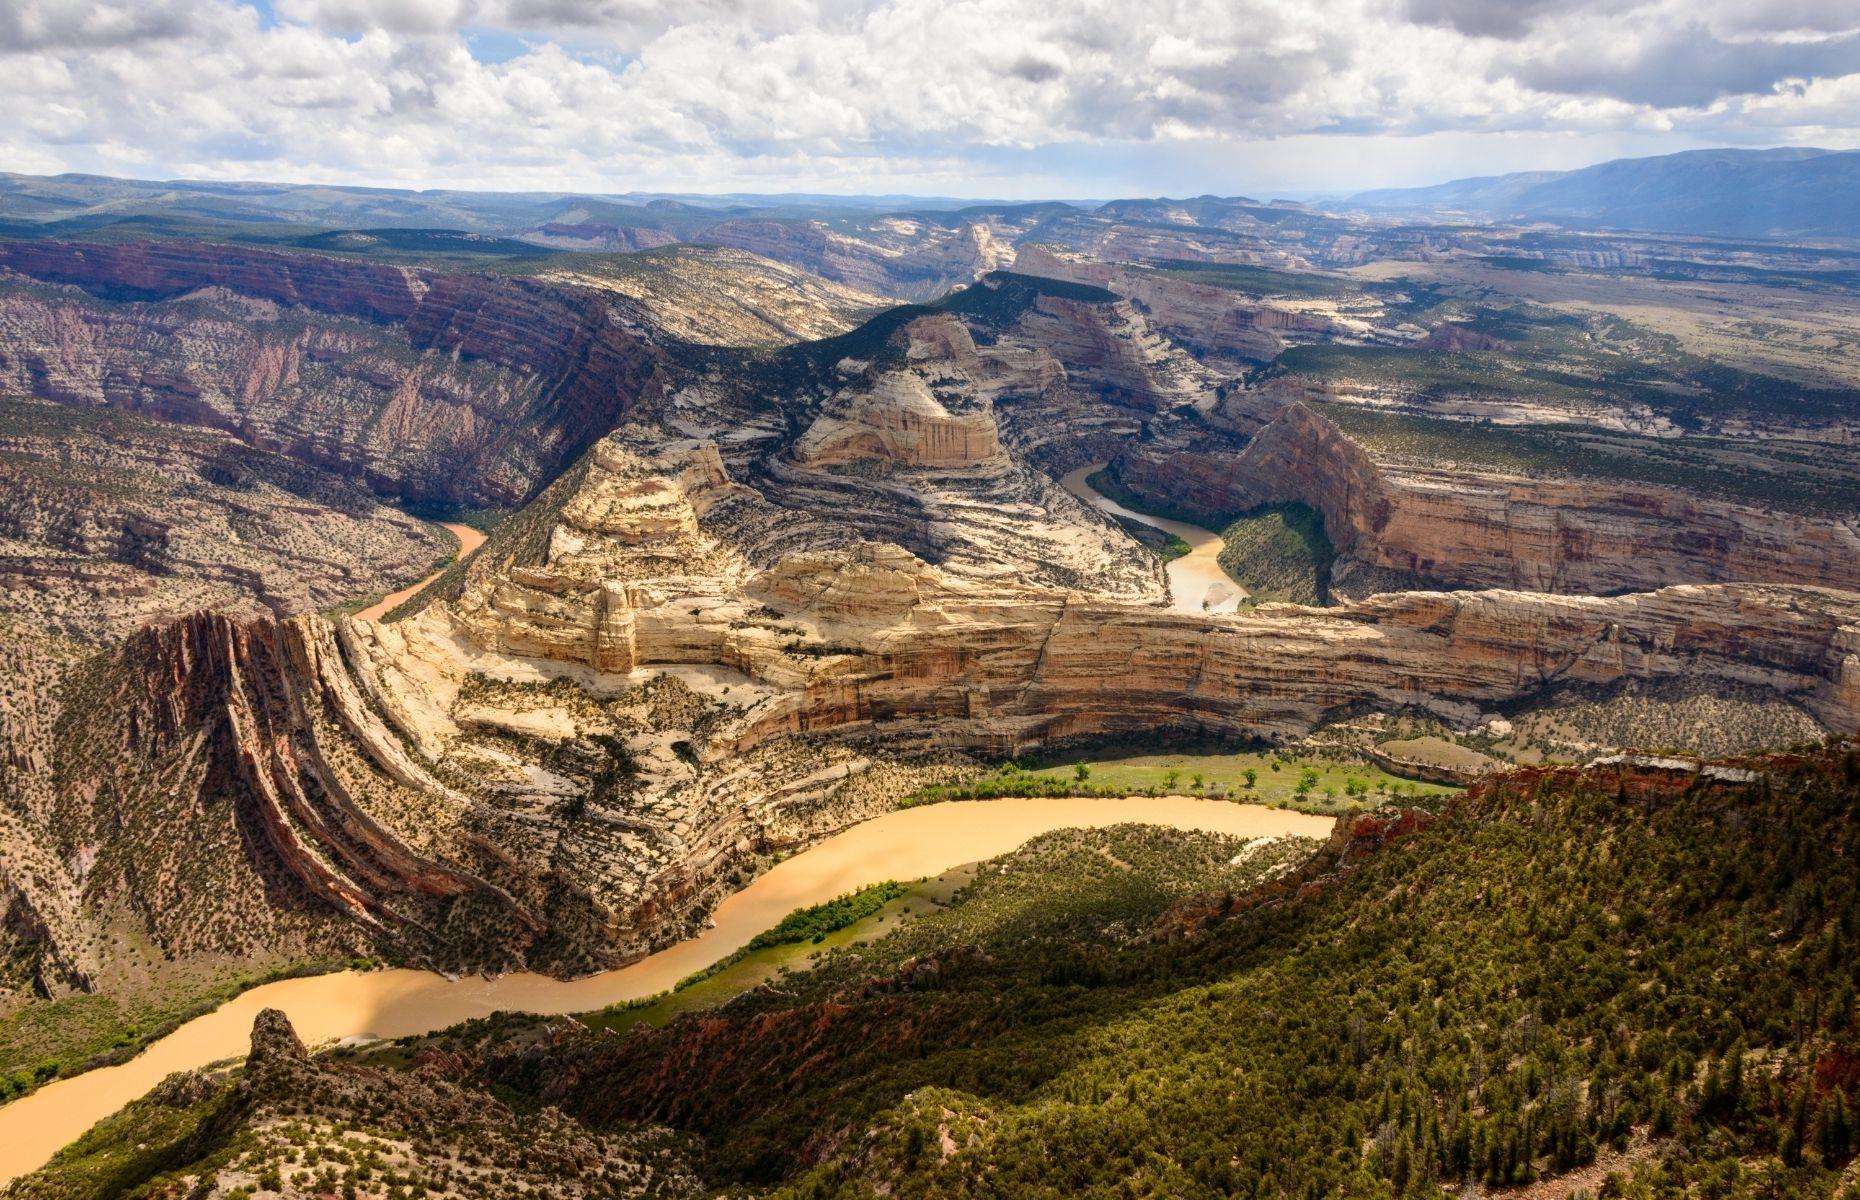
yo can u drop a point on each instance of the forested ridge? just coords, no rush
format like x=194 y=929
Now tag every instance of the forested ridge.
x=1634 y=981
x=1654 y=968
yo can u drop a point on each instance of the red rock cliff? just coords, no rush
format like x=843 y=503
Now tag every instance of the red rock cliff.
x=1474 y=529
x=427 y=383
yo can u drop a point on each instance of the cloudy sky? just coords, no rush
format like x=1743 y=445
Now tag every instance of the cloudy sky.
x=998 y=98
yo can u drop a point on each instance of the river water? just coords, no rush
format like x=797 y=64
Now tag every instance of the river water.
x=1197 y=584
x=907 y=844
x=469 y=539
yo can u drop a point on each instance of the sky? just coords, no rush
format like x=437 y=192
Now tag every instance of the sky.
x=991 y=98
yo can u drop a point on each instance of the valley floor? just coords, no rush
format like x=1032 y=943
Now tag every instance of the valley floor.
x=917 y=842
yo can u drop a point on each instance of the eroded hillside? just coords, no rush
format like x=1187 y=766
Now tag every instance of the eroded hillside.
x=755 y=586
x=1632 y=979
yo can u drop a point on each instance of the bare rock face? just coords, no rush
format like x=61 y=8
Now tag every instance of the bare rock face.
x=623 y=712
x=428 y=384
x=934 y=410
x=757 y=605
x=1458 y=339
x=272 y=1124
x=1112 y=350
x=898 y=257
x=716 y=295
x=1486 y=530
x=108 y=520
x=277 y=1058
x=987 y=665
x=1110 y=236
x=920 y=441
x=1213 y=320
x=901 y=419
x=271 y=693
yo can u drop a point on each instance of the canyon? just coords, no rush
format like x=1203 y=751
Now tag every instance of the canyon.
x=398 y=1003
x=768 y=560
x=1471 y=528
x=560 y=767
x=424 y=384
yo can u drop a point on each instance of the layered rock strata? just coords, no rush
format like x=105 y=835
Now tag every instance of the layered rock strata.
x=109 y=520
x=428 y=384
x=1212 y=320
x=623 y=713
x=781 y=594
x=923 y=432
x=894 y=256
x=1003 y=669
x=714 y=295
x=1477 y=529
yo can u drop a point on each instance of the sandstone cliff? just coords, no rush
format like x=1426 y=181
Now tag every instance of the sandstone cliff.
x=897 y=257
x=715 y=295
x=1002 y=669
x=1476 y=529
x=109 y=519
x=870 y=652
x=1213 y=320
x=623 y=712
x=428 y=384
x=776 y=591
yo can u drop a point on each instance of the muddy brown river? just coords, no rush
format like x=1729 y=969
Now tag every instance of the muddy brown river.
x=469 y=539
x=907 y=844
x=1197 y=584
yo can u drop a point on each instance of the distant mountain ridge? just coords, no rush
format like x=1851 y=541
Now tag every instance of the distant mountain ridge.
x=1743 y=193
x=44 y=198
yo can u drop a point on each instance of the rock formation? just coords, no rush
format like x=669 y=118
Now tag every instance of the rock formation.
x=110 y=520
x=1213 y=320
x=424 y=383
x=1055 y=664
x=1479 y=529
x=714 y=295
x=905 y=259
x=772 y=591
x=420 y=780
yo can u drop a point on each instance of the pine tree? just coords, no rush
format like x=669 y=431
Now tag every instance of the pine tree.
x=1834 y=1129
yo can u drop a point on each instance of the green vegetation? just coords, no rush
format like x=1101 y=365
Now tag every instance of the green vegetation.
x=484 y=520
x=350 y=607
x=1796 y=477
x=338 y=1128
x=53 y=1039
x=1280 y=553
x=1550 y=356
x=1550 y=976
x=133 y=1145
x=441 y=247
x=1260 y=777
x=1263 y=281
x=1165 y=545
x=755 y=965
x=991 y=304
x=1112 y=488
x=520 y=537
x=1427 y=372
x=815 y=923
x=1631 y=992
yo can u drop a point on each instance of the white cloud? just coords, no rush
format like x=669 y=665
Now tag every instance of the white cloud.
x=974 y=96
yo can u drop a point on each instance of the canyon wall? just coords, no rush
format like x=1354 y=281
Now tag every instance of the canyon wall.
x=1000 y=675
x=334 y=745
x=563 y=766
x=108 y=520
x=895 y=257
x=429 y=384
x=973 y=662
x=1210 y=319
x=1473 y=529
